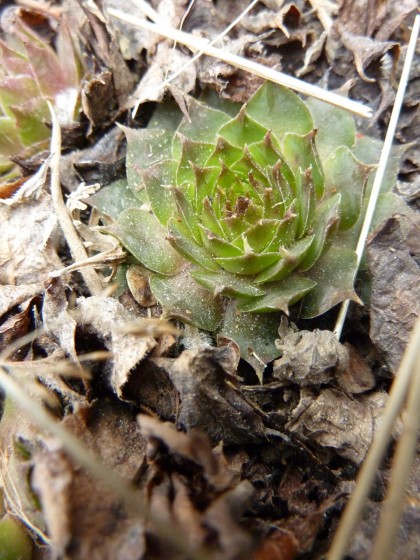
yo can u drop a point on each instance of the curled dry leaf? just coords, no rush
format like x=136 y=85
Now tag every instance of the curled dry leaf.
x=56 y=319
x=17 y=325
x=27 y=253
x=165 y=61
x=128 y=349
x=10 y=296
x=198 y=494
x=309 y=358
x=365 y=32
x=333 y=420
x=210 y=402
x=395 y=299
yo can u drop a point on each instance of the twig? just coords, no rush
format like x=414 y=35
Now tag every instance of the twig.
x=380 y=172
x=75 y=244
x=197 y=44
x=378 y=448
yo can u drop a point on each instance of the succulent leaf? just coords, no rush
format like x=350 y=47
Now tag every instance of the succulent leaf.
x=32 y=72
x=254 y=333
x=184 y=299
x=251 y=211
x=145 y=238
x=333 y=276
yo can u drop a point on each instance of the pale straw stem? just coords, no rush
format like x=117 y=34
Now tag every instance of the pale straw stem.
x=378 y=448
x=198 y=44
x=75 y=244
x=401 y=466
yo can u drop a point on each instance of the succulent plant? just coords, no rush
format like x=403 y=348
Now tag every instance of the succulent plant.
x=240 y=212
x=32 y=72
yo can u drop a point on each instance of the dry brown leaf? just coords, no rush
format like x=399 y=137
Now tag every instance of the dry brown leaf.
x=366 y=50
x=52 y=480
x=27 y=254
x=57 y=321
x=309 y=358
x=10 y=296
x=364 y=29
x=17 y=325
x=165 y=61
x=106 y=317
x=204 y=379
x=373 y=19
x=395 y=299
x=194 y=447
x=333 y=420
x=193 y=488
x=357 y=377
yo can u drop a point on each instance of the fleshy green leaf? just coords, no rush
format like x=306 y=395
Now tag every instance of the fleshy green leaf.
x=255 y=334
x=227 y=284
x=242 y=130
x=17 y=90
x=195 y=153
x=166 y=116
x=205 y=181
x=182 y=298
x=326 y=221
x=280 y=110
x=290 y=259
x=187 y=214
x=211 y=98
x=279 y=296
x=15 y=542
x=158 y=180
x=265 y=151
x=10 y=143
x=114 y=199
x=333 y=276
x=30 y=121
x=305 y=201
x=335 y=127
x=248 y=264
x=145 y=147
x=145 y=238
x=300 y=154
x=203 y=126
x=224 y=152
x=217 y=246
x=179 y=237
x=261 y=234
x=368 y=150
x=346 y=175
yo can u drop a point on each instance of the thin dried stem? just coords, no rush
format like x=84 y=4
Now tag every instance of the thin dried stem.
x=378 y=448
x=401 y=465
x=380 y=172
x=197 y=44
x=75 y=244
